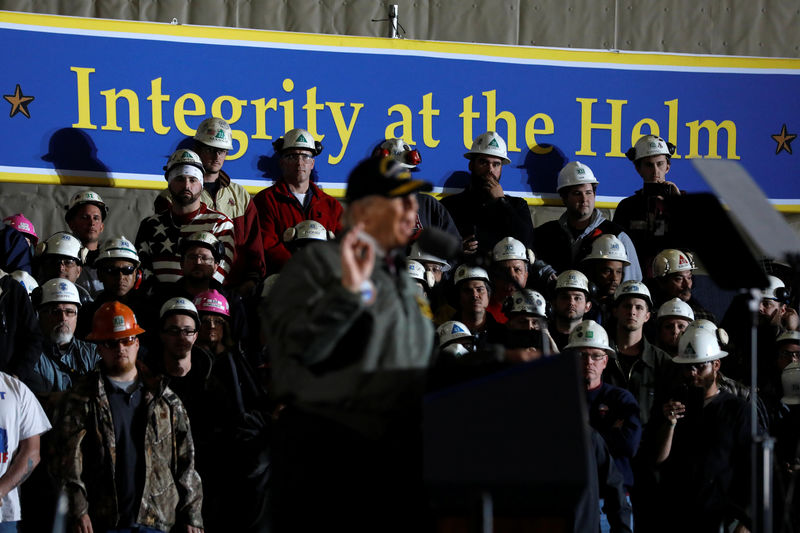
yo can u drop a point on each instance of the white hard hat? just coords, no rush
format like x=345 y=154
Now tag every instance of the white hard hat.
x=676 y=308
x=63 y=243
x=589 y=334
x=300 y=139
x=25 y=279
x=452 y=331
x=60 y=290
x=788 y=336
x=670 y=261
x=573 y=279
x=489 y=143
x=206 y=240
x=178 y=306
x=698 y=345
x=418 y=272
x=467 y=272
x=648 y=145
x=215 y=132
x=790 y=379
x=526 y=301
x=86 y=197
x=418 y=255
x=575 y=173
x=633 y=288
x=770 y=292
x=184 y=156
x=307 y=230
x=608 y=247
x=118 y=248
x=510 y=248
x=401 y=152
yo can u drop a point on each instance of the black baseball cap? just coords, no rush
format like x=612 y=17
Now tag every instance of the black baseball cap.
x=382 y=176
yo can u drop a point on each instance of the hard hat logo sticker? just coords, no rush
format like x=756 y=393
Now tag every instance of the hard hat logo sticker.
x=301 y=138
x=220 y=134
x=118 y=323
x=493 y=143
x=690 y=350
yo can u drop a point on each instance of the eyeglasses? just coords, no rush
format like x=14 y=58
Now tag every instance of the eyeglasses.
x=113 y=343
x=433 y=267
x=786 y=354
x=61 y=261
x=295 y=156
x=592 y=356
x=697 y=367
x=184 y=332
x=204 y=259
x=57 y=311
x=212 y=321
x=110 y=271
x=213 y=151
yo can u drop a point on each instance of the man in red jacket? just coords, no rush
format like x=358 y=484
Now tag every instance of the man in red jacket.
x=294 y=197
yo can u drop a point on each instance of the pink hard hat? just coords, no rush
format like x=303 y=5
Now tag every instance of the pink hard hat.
x=22 y=224
x=212 y=302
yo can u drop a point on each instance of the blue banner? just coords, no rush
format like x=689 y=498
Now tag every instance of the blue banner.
x=106 y=102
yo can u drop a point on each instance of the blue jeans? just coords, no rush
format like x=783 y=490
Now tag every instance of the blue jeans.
x=8 y=527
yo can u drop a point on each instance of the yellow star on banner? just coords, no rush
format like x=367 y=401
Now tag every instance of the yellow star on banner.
x=19 y=102
x=784 y=140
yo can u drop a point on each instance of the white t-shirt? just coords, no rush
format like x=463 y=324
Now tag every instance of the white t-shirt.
x=21 y=417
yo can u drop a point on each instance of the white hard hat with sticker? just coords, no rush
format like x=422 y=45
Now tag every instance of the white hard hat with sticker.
x=572 y=280
x=467 y=272
x=698 y=345
x=589 y=334
x=215 y=132
x=608 y=247
x=676 y=308
x=59 y=290
x=510 y=248
x=489 y=143
x=670 y=261
x=575 y=173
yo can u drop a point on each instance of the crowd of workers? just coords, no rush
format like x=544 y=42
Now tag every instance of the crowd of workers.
x=228 y=367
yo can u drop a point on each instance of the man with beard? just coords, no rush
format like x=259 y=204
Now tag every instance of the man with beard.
x=86 y=215
x=64 y=357
x=212 y=141
x=126 y=458
x=483 y=213
x=564 y=242
x=571 y=302
x=672 y=278
x=200 y=254
x=636 y=365
x=702 y=445
x=159 y=236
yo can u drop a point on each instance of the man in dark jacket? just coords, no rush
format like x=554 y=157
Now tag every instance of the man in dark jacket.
x=483 y=213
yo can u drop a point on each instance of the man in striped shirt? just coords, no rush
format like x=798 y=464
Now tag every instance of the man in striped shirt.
x=159 y=236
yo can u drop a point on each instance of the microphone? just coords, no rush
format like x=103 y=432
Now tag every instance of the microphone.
x=439 y=243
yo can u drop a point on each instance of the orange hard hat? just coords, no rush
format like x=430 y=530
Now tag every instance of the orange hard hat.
x=113 y=320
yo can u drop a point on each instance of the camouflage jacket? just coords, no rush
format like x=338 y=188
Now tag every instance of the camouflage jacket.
x=85 y=465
